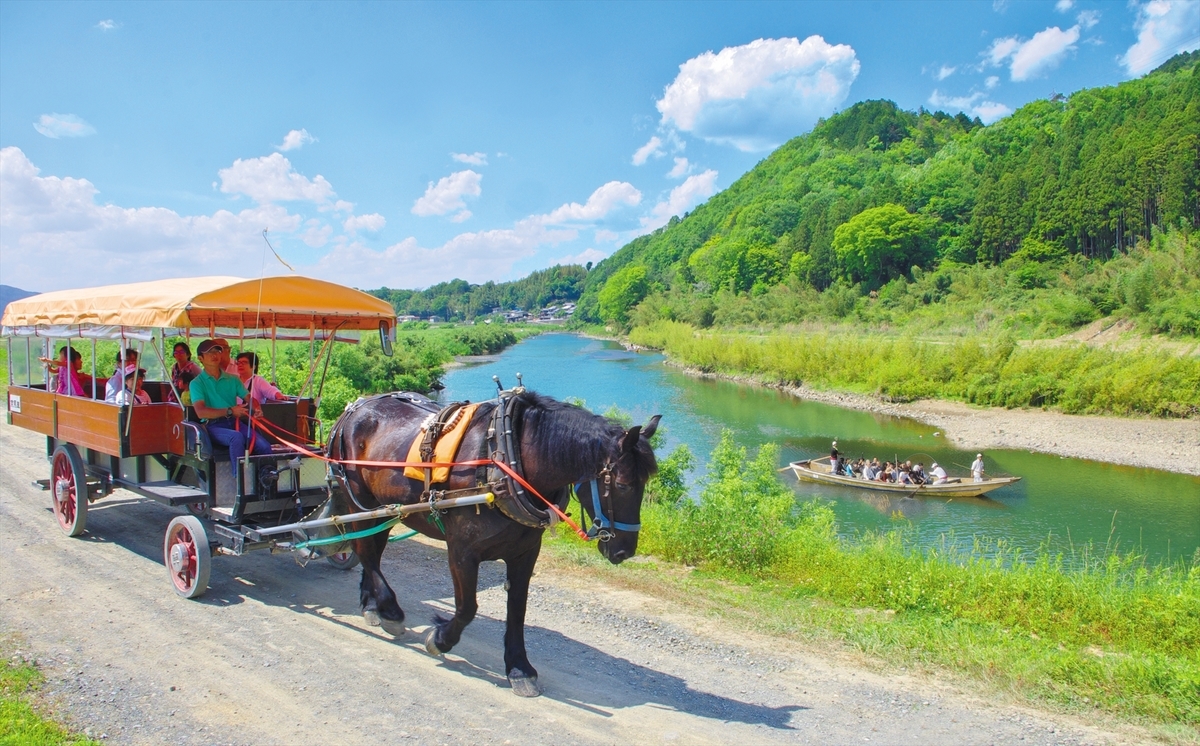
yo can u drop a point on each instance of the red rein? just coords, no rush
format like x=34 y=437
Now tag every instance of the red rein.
x=266 y=427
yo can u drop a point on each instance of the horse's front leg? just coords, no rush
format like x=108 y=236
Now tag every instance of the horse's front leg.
x=379 y=606
x=464 y=569
x=522 y=676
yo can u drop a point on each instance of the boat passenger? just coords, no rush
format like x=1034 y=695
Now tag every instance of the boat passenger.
x=260 y=389
x=184 y=370
x=938 y=473
x=904 y=477
x=919 y=473
x=868 y=472
x=72 y=381
x=132 y=392
x=977 y=468
x=215 y=396
x=117 y=382
x=833 y=459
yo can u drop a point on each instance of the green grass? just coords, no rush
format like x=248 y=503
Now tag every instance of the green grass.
x=20 y=723
x=1098 y=631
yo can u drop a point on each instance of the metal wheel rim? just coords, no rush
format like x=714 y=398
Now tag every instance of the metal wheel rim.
x=185 y=577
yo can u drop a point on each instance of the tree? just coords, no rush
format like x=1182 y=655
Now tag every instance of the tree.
x=624 y=289
x=883 y=242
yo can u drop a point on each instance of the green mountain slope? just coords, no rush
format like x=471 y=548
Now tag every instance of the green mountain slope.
x=877 y=202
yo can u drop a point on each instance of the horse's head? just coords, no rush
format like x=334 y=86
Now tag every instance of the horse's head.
x=620 y=487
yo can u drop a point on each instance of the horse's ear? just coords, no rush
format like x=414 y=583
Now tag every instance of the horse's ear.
x=651 y=426
x=630 y=439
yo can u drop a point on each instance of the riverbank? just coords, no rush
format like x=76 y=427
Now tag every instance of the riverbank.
x=1169 y=445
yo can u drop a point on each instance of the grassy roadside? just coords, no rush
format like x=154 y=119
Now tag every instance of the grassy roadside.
x=20 y=723
x=1095 y=633
x=1075 y=379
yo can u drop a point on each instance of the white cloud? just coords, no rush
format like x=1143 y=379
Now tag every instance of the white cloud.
x=987 y=111
x=681 y=169
x=316 y=234
x=991 y=82
x=343 y=206
x=272 y=179
x=295 y=140
x=944 y=72
x=1062 y=6
x=371 y=223
x=56 y=126
x=1032 y=58
x=108 y=25
x=582 y=258
x=53 y=234
x=652 y=148
x=760 y=94
x=603 y=201
x=603 y=235
x=475 y=159
x=1165 y=28
x=1088 y=18
x=447 y=195
x=687 y=195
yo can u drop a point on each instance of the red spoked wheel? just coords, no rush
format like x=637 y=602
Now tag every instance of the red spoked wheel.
x=187 y=555
x=343 y=560
x=68 y=489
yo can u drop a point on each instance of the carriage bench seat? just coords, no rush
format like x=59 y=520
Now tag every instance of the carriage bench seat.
x=197 y=441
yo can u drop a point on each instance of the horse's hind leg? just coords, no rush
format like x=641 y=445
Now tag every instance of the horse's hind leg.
x=446 y=633
x=522 y=676
x=379 y=606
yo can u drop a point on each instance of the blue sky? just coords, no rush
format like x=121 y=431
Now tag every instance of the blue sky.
x=407 y=143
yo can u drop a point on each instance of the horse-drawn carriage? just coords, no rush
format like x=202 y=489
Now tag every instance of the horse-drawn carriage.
x=521 y=454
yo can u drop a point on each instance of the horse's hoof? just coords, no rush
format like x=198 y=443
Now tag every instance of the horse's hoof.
x=431 y=645
x=392 y=627
x=522 y=685
x=372 y=617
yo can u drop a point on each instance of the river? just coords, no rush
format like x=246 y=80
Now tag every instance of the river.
x=1062 y=503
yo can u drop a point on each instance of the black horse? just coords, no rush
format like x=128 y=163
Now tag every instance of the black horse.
x=560 y=445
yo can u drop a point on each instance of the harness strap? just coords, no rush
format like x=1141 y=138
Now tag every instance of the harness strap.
x=602 y=521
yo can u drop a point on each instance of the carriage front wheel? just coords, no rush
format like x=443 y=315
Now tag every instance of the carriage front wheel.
x=343 y=560
x=188 y=556
x=68 y=489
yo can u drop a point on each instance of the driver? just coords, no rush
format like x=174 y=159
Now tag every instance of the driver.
x=215 y=396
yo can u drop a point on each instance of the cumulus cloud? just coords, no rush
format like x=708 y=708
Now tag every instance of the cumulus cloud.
x=987 y=111
x=1165 y=28
x=1062 y=6
x=681 y=169
x=316 y=233
x=295 y=140
x=760 y=94
x=582 y=258
x=475 y=159
x=603 y=201
x=53 y=234
x=272 y=179
x=693 y=191
x=108 y=25
x=371 y=223
x=944 y=72
x=447 y=195
x=1088 y=18
x=653 y=147
x=991 y=82
x=1029 y=59
x=56 y=126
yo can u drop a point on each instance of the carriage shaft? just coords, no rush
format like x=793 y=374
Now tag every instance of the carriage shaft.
x=390 y=511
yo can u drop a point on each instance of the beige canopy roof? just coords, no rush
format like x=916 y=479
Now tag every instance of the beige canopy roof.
x=290 y=302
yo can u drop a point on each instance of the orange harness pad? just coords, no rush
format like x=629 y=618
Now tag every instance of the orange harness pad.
x=444 y=450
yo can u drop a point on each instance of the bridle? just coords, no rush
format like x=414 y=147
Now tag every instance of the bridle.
x=602 y=525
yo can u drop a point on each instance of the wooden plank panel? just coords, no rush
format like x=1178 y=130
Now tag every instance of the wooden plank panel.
x=37 y=409
x=155 y=429
x=90 y=424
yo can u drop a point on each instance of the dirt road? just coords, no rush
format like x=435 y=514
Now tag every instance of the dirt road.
x=278 y=653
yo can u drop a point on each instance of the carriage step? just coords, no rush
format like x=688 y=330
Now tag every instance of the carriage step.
x=172 y=493
x=42 y=484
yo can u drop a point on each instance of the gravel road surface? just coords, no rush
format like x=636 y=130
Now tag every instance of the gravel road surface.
x=278 y=653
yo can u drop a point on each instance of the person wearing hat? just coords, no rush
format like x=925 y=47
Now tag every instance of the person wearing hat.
x=938 y=474
x=215 y=395
x=131 y=392
x=977 y=467
x=833 y=459
x=124 y=359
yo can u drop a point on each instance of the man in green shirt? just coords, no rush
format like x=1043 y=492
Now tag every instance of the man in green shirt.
x=215 y=395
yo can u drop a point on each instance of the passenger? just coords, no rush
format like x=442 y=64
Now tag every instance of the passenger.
x=919 y=473
x=184 y=370
x=938 y=473
x=260 y=389
x=132 y=392
x=72 y=381
x=227 y=365
x=977 y=467
x=868 y=472
x=905 y=477
x=215 y=396
x=833 y=459
x=117 y=382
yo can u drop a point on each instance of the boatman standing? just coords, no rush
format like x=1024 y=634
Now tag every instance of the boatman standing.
x=833 y=459
x=977 y=467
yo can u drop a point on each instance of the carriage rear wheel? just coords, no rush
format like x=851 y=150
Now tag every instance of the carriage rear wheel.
x=187 y=555
x=343 y=560
x=68 y=489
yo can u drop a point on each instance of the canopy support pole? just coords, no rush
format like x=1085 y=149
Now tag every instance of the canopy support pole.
x=93 y=367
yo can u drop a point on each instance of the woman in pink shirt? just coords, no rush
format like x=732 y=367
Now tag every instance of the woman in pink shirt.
x=260 y=390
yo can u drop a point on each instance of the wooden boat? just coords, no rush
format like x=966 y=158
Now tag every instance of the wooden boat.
x=813 y=470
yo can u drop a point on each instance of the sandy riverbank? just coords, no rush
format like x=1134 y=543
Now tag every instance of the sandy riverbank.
x=1170 y=445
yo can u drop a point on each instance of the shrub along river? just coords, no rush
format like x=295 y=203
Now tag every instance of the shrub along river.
x=1061 y=503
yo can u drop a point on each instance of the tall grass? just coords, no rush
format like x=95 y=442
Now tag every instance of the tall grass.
x=1073 y=378
x=1107 y=630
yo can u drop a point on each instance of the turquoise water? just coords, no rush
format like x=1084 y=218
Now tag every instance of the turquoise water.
x=1065 y=502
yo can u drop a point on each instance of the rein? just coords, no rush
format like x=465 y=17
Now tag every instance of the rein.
x=266 y=427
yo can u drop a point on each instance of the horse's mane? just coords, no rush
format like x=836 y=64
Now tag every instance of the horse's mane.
x=575 y=437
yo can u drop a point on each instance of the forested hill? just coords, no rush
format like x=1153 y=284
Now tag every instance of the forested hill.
x=874 y=198
x=458 y=299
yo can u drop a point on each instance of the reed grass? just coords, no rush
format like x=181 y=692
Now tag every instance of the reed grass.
x=1076 y=379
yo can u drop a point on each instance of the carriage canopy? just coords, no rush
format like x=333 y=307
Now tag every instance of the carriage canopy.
x=287 y=302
